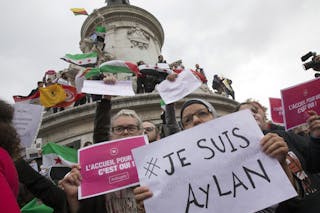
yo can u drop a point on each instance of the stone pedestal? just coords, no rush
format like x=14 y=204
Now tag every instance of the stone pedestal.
x=76 y=124
x=132 y=34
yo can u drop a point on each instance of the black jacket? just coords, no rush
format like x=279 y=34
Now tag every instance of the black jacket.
x=101 y=133
x=307 y=151
x=41 y=187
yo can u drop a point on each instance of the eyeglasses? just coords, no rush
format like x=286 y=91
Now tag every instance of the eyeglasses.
x=201 y=114
x=254 y=110
x=148 y=129
x=118 y=130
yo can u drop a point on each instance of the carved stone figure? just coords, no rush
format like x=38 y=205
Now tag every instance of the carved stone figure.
x=86 y=45
x=112 y=2
x=99 y=15
x=138 y=37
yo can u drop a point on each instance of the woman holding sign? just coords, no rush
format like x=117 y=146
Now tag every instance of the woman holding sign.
x=197 y=111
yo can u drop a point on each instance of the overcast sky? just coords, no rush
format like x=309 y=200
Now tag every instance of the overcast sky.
x=257 y=44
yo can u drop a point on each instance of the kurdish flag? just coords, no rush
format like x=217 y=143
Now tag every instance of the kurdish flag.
x=57 y=95
x=35 y=206
x=81 y=59
x=52 y=95
x=54 y=155
x=118 y=66
x=79 y=11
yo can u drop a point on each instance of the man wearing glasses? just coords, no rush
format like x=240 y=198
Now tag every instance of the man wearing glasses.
x=151 y=131
x=126 y=123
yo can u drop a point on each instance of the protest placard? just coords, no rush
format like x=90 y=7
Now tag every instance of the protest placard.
x=298 y=100
x=27 y=120
x=120 y=88
x=184 y=84
x=108 y=166
x=276 y=110
x=213 y=167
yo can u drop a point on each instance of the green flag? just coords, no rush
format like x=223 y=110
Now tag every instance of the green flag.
x=162 y=104
x=54 y=155
x=81 y=59
x=100 y=29
x=34 y=206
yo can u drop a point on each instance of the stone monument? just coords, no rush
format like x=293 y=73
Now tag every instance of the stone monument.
x=132 y=34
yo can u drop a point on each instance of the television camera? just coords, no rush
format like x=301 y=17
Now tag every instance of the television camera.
x=313 y=64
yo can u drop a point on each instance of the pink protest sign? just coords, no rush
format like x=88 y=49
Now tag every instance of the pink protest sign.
x=298 y=100
x=276 y=110
x=108 y=167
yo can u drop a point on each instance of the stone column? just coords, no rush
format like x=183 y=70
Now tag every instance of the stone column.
x=133 y=34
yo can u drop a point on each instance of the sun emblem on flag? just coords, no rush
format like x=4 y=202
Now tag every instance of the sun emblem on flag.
x=69 y=95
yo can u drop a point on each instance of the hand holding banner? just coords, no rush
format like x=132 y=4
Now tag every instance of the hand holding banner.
x=184 y=84
x=109 y=166
x=298 y=100
x=213 y=167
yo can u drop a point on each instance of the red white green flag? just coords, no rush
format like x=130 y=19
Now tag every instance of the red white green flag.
x=54 y=155
x=83 y=75
x=81 y=59
x=118 y=66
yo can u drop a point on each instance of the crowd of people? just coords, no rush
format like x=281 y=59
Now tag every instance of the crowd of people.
x=145 y=82
x=298 y=156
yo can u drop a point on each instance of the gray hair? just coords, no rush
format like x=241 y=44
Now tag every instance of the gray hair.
x=128 y=113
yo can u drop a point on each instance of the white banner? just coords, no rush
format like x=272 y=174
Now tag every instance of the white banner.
x=27 y=120
x=120 y=88
x=184 y=84
x=213 y=167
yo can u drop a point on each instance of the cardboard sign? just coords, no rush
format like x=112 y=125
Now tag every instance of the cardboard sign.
x=27 y=120
x=298 y=100
x=276 y=110
x=108 y=166
x=213 y=167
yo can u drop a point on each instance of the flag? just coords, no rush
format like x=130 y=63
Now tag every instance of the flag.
x=79 y=11
x=162 y=104
x=100 y=29
x=276 y=110
x=156 y=70
x=79 y=79
x=200 y=76
x=33 y=99
x=52 y=95
x=83 y=75
x=118 y=66
x=54 y=155
x=35 y=206
x=81 y=59
x=71 y=96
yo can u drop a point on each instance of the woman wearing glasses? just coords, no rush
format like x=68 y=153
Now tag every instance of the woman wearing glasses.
x=197 y=111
